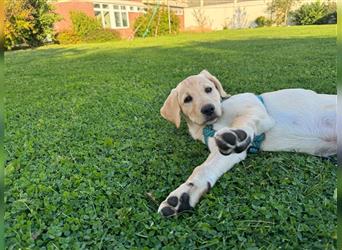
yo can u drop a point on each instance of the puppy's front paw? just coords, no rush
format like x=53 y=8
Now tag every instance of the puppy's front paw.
x=184 y=198
x=175 y=204
x=232 y=141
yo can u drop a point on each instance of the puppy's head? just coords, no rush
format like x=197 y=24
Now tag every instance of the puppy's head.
x=198 y=97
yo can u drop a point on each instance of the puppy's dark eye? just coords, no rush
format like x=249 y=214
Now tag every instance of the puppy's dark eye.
x=208 y=89
x=188 y=99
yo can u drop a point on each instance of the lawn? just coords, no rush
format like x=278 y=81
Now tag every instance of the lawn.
x=85 y=143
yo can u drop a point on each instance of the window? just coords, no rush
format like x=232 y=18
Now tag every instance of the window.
x=117 y=19
x=134 y=8
x=98 y=15
x=112 y=16
x=106 y=19
x=124 y=19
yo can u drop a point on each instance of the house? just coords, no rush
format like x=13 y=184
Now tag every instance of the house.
x=119 y=15
x=232 y=14
x=218 y=14
x=194 y=15
x=113 y=14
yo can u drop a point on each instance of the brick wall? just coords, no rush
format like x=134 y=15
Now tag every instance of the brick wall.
x=64 y=8
x=181 y=22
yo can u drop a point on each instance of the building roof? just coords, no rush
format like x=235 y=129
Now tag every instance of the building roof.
x=192 y=3
x=197 y=3
x=120 y=2
x=172 y=3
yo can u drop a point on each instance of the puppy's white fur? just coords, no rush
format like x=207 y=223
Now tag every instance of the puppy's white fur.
x=295 y=120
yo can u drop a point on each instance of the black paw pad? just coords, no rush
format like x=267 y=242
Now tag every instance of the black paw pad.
x=184 y=203
x=234 y=141
x=225 y=152
x=242 y=135
x=167 y=211
x=221 y=144
x=229 y=138
x=243 y=146
x=172 y=201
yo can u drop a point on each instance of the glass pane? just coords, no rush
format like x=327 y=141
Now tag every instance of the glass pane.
x=117 y=19
x=98 y=16
x=105 y=6
x=131 y=8
x=96 y=5
x=123 y=7
x=115 y=7
x=106 y=19
x=124 y=19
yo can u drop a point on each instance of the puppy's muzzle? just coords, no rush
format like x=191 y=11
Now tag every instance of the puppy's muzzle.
x=208 y=110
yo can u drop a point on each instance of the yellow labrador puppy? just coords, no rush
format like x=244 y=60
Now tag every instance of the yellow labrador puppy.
x=286 y=120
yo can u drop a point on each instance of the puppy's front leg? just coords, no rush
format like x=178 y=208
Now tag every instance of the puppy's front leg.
x=187 y=195
x=238 y=137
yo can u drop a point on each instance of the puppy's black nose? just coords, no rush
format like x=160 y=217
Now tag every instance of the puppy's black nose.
x=208 y=109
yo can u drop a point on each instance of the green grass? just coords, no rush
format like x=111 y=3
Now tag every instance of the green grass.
x=85 y=143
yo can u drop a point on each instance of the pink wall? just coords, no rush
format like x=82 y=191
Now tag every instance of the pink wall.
x=181 y=22
x=64 y=8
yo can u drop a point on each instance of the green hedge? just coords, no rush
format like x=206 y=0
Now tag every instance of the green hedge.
x=28 y=23
x=68 y=37
x=83 y=24
x=86 y=29
x=262 y=21
x=101 y=35
x=315 y=13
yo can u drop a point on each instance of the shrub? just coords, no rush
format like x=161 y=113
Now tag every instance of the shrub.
x=82 y=24
x=86 y=29
x=330 y=18
x=44 y=19
x=262 y=21
x=28 y=22
x=18 y=23
x=101 y=35
x=315 y=13
x=159 y=24
x=280 y=10
x=68 y=37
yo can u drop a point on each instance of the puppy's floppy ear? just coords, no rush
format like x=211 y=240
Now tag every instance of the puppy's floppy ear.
x=217 y=83
x=171 y=109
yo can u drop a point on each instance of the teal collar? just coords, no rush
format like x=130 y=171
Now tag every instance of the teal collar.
x=208 y=131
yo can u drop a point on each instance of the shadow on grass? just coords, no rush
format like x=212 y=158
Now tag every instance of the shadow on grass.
x=255 y=65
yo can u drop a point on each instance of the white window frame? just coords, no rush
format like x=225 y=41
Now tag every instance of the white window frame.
x=135 y=8
x=111 y=11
